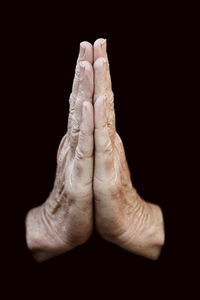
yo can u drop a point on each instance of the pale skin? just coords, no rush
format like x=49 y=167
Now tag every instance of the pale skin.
x=92 y=170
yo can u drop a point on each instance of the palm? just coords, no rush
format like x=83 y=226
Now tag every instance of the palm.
x=68 y=190
x=112 y=192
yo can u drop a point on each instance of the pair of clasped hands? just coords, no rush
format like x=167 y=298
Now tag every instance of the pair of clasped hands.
x=92 y=171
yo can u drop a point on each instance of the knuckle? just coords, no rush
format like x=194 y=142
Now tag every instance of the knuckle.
x=79 y=153
x=99 y=63
x=111 y=121
x=87 y=66
x=83 y=130
x=75 y=127
x=79 y=169
x=86 y=132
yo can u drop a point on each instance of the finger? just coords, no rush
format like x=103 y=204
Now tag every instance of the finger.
x=103 y=87
x=85 y=93
x=103 y=84
x=100 y=51
x=103 y=143
x=100 y=57
x=83 y=158
x=102 y=77
x=85 y=54
x=100 y=46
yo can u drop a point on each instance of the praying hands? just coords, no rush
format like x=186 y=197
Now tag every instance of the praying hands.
x=92 y=171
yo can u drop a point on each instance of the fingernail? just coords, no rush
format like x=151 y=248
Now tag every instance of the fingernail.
x=82 y=50
x=103 y=45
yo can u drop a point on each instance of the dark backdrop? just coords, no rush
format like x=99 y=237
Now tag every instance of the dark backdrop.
x=145 y=48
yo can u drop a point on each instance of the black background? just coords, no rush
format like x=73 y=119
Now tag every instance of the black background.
x=146 y=48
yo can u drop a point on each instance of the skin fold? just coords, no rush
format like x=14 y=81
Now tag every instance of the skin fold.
x=92 y=170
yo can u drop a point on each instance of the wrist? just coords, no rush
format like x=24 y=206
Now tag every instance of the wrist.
x=145 y=230
x=40 y=239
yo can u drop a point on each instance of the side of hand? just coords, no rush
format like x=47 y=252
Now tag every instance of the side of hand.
x=91 y=162
x=121 y=216
x=65 y=220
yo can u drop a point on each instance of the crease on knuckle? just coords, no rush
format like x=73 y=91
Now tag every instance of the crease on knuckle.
x=111 y=121
x=75 y=126
x=71 y=112
x=79 y=154
x=85 y=132
x=75 y=130
x=77 y=70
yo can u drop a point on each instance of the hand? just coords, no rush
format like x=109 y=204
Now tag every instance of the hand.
x=121 y=216
x=65 y=220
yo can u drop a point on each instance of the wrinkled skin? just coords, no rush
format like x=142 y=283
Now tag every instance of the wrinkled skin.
x=65 y=220
x=121 y=216
x=91 y=162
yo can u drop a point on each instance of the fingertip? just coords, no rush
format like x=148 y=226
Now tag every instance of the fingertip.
x=100 y=46
x=99 y=41
x=86 y=44
x=86 y=51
